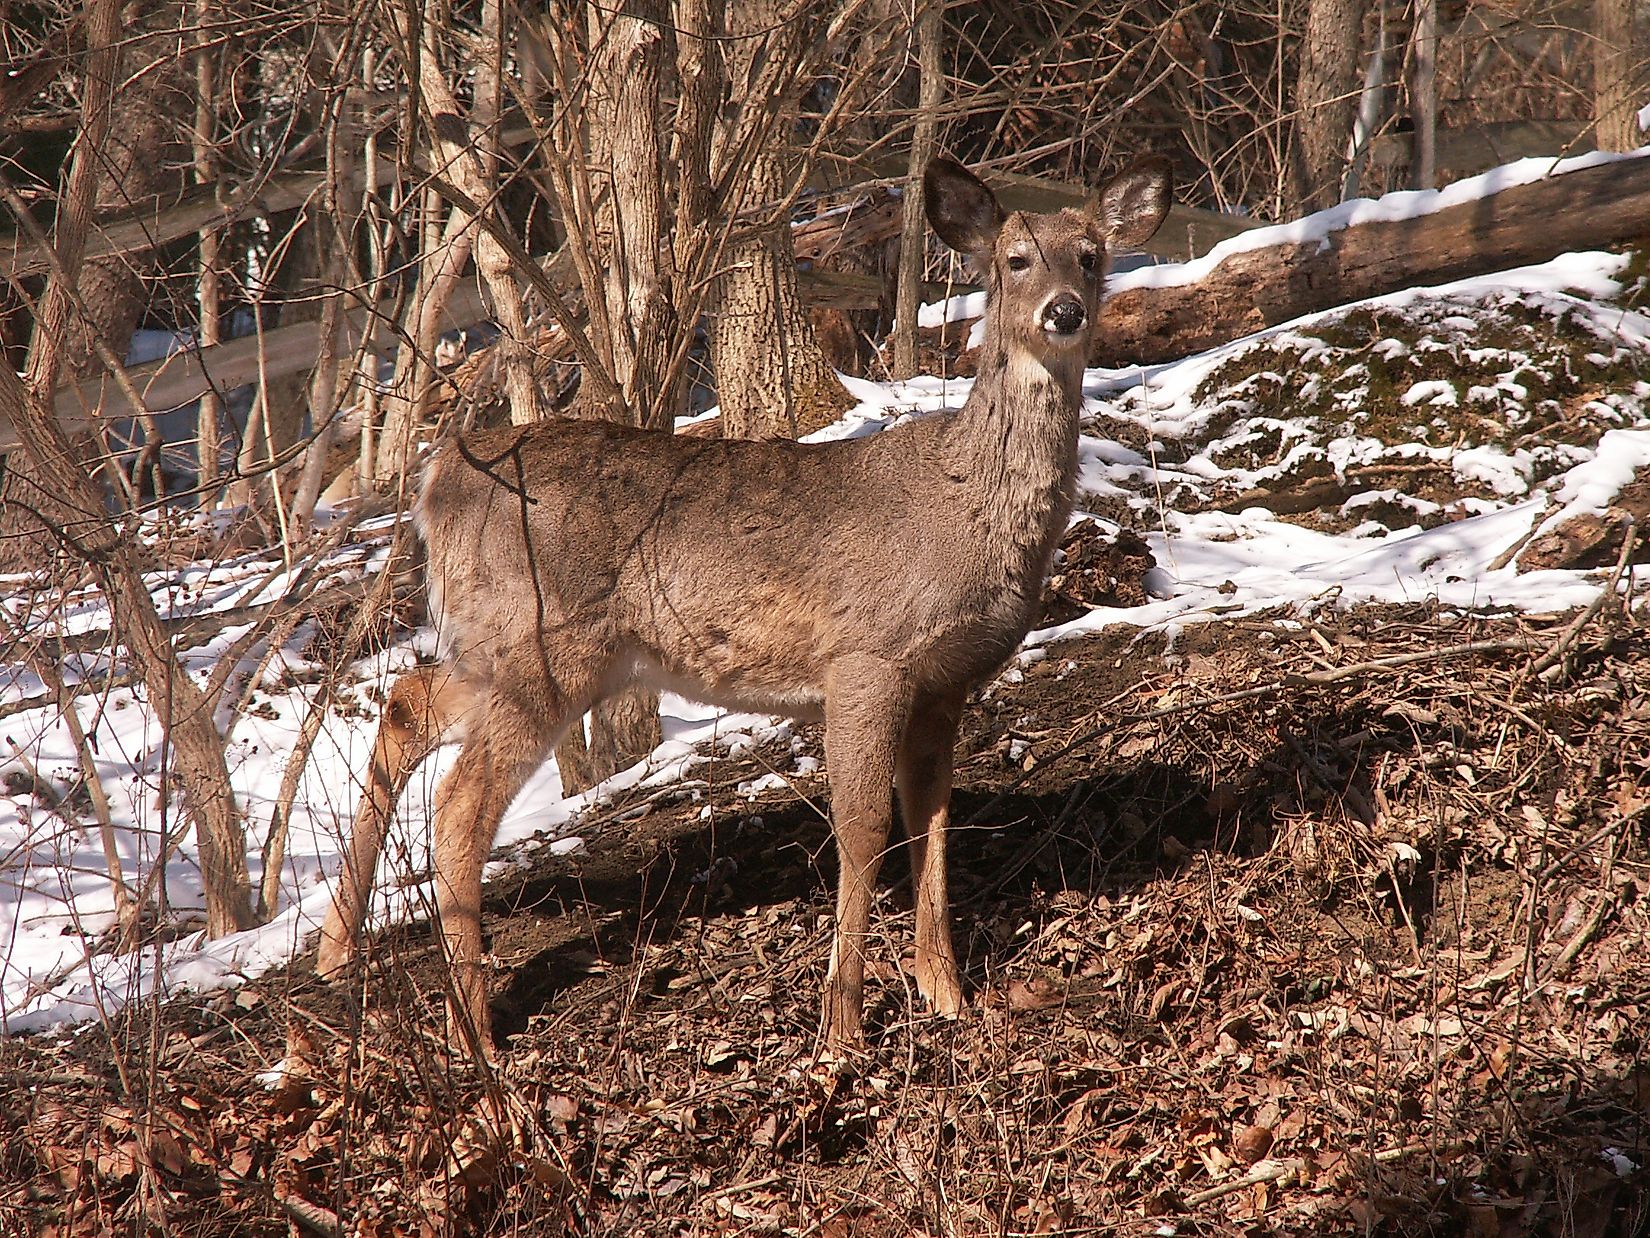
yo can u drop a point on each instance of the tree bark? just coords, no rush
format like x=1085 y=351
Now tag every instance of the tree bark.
x=1618 y=76
x=1423 y=96
x=209 y=414
x=639 y=292
x=447 y=238
x=772 y=380
x=1326 y=98
x=457 y=159
x=630 y=276
x=928 y=32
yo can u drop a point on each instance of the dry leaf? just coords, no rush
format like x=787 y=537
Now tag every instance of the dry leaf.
x=1252 y=1144
x=1039 y=993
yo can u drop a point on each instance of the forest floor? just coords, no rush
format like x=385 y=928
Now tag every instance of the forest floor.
x=1318 y=922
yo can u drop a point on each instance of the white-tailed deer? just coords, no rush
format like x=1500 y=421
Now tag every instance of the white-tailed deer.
x=872 y=582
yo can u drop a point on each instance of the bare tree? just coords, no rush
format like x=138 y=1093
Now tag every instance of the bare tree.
x=672 y=173
x=1326 y=96
x=643 y=235
x=469 y=157
x=208 y=288
x=81 y=524
x=1423 y=94
x=133 y=164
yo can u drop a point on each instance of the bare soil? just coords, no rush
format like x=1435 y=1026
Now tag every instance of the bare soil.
x=1309 y=924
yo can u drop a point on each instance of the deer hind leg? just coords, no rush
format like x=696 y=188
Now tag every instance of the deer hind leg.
x=425 y=706
x=865 y=712
x=924 y=781
x=509 y=737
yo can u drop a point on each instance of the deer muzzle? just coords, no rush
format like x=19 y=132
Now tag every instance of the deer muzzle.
x=1064 y=315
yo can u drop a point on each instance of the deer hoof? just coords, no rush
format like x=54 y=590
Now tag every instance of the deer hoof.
x=941 y=988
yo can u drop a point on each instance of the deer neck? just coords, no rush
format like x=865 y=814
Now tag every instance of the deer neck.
x=1015 y=443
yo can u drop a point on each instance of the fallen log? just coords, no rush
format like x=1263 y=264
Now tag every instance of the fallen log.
x=1332 y=259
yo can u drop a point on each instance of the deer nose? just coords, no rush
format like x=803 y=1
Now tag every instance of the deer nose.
x=1065 y=316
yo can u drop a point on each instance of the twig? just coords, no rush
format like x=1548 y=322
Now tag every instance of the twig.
x=1583 y=936
x=127 y=913
x=1387 y=1155
x=1612 y=826
x=1517 y=548
x=1566 y=638
x=55 y=1078
x=753 y=1184
x=321 y=600
x=1402 y=659
x=311 y=1216
x=280 y=823
x=1266 y=1171
x=1359 y=802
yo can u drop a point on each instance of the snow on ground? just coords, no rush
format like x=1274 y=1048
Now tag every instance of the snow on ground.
x=1470 y=401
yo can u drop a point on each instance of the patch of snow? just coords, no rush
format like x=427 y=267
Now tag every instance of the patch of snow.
x=952 y=309
x=1434 y=391
x=1620 y=1163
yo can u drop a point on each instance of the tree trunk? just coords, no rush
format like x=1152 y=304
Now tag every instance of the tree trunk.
x=868 y=86
x=772 y=380
x=640 y=285
x=209 y=415
x=90 y=537
x=477 y=178
x=1326 y=98
x=1423 y=96
x=1371 y=105
x=633 y=301
x=928 y=30
x=445 y=248
x=296 y=294
x=1618 y=76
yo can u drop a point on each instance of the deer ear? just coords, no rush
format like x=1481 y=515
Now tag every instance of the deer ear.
x=961 y=209
x=1131 y=206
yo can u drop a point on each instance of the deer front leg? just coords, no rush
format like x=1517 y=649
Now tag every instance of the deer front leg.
x=866 y=706
x=425 y=707
x=505 y=744
x=924 y=780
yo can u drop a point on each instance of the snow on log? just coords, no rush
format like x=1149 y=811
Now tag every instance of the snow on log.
x=1522 y=213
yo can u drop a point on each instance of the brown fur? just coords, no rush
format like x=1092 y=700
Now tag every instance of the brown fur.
x=872 y=583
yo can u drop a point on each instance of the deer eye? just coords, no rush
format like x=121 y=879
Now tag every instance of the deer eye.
x=1018 y=262
x=1088 y=260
